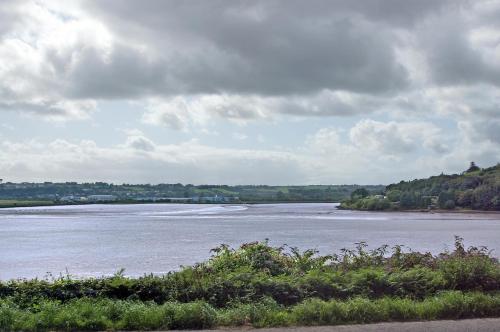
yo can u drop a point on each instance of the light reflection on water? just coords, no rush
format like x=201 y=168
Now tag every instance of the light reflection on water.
x=95 y=240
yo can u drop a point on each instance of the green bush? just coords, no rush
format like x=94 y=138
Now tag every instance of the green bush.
x=369 y=282
x=417 y=282
x=470 y=273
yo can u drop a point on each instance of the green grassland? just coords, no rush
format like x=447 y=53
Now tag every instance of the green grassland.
x=23 y=203
x=263 y=286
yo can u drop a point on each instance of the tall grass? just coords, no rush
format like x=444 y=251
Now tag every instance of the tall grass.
x=107 y=314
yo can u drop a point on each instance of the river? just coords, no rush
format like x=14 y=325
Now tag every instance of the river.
x=97 y=240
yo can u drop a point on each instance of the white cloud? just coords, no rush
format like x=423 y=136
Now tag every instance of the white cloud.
x=36 y=54
x=363 y=154
x=184 y=112
x=140 y=160
x=140 y=142
x=393 y=138
x=240 y=136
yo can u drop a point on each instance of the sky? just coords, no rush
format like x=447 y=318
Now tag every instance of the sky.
x=247 y=92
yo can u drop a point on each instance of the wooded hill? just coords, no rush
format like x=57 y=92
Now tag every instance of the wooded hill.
x=475 y=188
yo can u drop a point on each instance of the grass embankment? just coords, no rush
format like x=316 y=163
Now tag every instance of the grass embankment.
x=262 y=286
x=7 y=203
x=106 y=314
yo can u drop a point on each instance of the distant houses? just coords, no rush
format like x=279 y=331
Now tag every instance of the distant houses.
x=101 y=198
x=113 y=198
x=88 y=199
x=72 y=199
x=179 y=199
x=214 y=199
x=203 y=199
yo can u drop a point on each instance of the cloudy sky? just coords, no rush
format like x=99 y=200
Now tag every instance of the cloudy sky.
x=247 y=92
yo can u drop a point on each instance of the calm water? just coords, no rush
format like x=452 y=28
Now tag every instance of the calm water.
x=95 y=240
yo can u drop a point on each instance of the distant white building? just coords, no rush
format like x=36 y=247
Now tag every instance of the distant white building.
x=101 y=198
x=214 y=199
x=68 y=199
x=180 y=199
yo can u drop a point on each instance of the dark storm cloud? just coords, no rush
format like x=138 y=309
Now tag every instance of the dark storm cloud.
x=391 y=12
x=293 y=51
x=268 y=47
x=452 y=56
x=491 y=130
x=126 y=73
x=8 y=14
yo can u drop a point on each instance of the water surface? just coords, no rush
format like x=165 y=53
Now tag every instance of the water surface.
x=95 y=240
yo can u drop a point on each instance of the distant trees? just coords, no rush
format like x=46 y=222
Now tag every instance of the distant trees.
x=486 y=197
x=472 y=168
x=359 y=193
x=464 y=198
x=446 y=200
x=394 y=195
x=407 y=200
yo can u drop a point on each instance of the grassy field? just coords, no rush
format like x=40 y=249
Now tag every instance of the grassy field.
x=263 y=286
x=5 y=203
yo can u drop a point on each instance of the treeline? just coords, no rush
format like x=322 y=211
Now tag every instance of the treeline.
x=476 y=188
x=126 y=192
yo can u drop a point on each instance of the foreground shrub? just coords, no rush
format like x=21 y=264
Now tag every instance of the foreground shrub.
x=470 y=273
x=417 y=282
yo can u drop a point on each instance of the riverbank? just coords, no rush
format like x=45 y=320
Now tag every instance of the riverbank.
x=448 y=211
x=263 y=286
x=5 y=204
x=11 y=203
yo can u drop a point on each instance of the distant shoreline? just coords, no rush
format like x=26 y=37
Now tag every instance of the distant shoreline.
x=29 y=205
x=426 y=210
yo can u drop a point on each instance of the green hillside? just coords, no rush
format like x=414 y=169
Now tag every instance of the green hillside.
x=475 y=188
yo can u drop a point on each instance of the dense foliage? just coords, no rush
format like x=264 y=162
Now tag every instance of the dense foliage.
x=106 y=314
x=476 y=188
x=248 y=284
